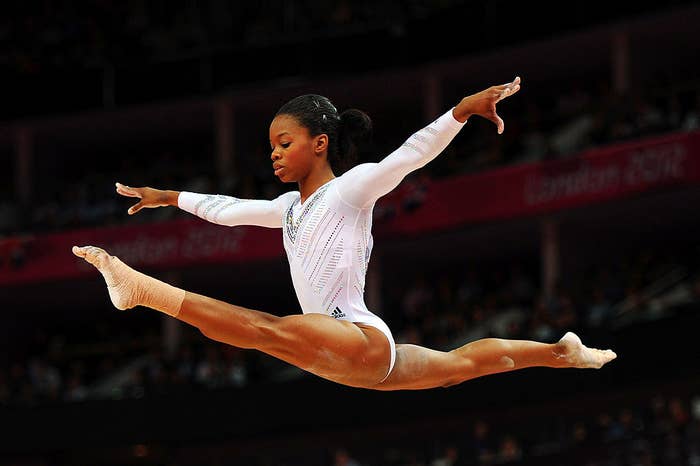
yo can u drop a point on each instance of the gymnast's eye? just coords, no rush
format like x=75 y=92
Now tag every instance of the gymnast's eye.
x=285 y=144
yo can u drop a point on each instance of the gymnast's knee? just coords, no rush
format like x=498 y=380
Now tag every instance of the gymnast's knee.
x=282 y=336
x=252 y=334
x=467 y=368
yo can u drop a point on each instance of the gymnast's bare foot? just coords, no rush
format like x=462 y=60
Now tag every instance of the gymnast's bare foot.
x=575 y=354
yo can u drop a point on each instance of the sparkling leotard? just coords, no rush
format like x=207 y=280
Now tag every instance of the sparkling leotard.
x=328 y=238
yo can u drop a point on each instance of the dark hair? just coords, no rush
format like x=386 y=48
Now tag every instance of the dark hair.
x=348 y=132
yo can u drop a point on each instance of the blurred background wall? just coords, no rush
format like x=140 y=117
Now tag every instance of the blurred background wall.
x=582 y=216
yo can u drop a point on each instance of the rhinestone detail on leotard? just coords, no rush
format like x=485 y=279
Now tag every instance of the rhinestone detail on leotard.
x=292 y=226
x=215 y=201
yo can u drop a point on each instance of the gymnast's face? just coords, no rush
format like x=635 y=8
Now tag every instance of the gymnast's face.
x=294 y=151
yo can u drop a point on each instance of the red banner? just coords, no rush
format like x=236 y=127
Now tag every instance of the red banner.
x=168 y=244
x=595 y=176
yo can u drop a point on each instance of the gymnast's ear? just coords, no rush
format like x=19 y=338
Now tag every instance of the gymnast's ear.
x=320 y=144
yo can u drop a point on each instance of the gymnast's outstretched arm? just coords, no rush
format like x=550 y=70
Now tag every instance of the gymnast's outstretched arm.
x=364 y=184
x=215 y=208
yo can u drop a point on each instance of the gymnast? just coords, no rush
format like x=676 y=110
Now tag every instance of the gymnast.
x=326 y=230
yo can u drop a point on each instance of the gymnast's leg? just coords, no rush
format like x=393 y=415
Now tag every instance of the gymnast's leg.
x=419 y=368
x=341 y=351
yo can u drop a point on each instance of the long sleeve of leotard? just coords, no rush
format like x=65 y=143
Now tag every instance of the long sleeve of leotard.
x=364 y=184
x=231 y=211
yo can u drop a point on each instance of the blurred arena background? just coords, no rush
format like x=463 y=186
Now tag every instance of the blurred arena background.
x=582 y=216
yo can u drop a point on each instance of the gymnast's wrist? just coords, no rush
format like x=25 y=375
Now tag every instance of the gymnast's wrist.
x=460 y=112
x=171 y=197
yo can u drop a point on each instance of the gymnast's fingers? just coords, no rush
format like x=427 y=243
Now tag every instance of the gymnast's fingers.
x=500 y=125
x=508 y=90
x=135 y=208
x=128 y=191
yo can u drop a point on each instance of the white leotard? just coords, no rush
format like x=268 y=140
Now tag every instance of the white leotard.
x=328 y=238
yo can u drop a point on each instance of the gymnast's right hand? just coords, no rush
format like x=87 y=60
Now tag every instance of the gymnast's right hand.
x=150 y=197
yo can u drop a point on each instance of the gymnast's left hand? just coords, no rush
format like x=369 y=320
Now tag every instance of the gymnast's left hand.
x=484 y=103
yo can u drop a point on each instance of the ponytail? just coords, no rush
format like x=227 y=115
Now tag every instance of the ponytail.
x=354 y=134
x=349 y=132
